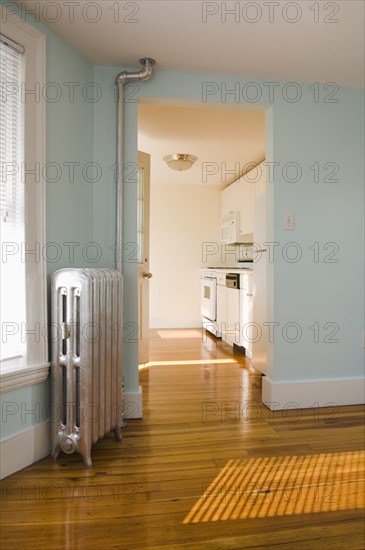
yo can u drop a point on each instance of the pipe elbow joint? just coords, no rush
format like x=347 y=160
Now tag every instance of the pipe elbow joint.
x=144 y=73
x=121 y=78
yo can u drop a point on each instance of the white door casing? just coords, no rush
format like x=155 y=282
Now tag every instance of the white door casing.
x=143 y=250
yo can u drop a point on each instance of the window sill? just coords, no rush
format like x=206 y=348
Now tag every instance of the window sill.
x=26 y=376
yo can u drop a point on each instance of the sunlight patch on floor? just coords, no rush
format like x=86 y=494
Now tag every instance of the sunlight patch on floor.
x=188 y=362
x=282 y=486
x=180 y=333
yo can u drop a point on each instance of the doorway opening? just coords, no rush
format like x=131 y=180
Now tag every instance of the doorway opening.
x=185 y=210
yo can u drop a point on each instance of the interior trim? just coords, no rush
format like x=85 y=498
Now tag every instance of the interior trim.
x=23 y=449
x=132 y=405
x=27 y=376
x=307 y=394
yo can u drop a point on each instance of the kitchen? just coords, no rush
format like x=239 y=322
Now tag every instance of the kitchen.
x=185 y=210
x=233 y=297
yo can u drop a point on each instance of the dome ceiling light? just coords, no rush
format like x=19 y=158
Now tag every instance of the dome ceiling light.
x=180 y=161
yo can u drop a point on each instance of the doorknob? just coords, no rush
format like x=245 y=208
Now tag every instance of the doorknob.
x=147 y=275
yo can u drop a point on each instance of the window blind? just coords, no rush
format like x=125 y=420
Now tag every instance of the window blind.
x=11 y=134
x=12 y=218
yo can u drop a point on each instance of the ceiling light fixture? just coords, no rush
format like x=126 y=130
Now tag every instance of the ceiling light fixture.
x=180 y=161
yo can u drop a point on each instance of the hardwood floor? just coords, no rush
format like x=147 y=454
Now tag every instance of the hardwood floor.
x=208 y=467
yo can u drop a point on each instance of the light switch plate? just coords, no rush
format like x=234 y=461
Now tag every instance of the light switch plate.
x=288 y=222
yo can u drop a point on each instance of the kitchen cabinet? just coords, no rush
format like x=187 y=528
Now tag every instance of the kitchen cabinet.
x=222 y=309
x=240 y=196
x=246 y=214
x=232 y=334
x=260 y=183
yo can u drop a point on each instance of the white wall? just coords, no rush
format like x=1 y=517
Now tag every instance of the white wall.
x=183 y=217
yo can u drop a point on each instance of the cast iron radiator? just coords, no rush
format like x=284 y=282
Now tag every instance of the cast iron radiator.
x=86 y=374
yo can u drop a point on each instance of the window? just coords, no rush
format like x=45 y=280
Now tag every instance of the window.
x=12 y=297
x=23 y=318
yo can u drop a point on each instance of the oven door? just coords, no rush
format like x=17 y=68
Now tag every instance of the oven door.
x=208 y=298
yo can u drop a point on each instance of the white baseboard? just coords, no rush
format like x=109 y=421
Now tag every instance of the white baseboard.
x=160 y=322
x=312 y=393
x=133 y=404
x=24 y=448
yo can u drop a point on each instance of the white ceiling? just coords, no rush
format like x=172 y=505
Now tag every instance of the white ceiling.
x=226 y=142
x=173 y=33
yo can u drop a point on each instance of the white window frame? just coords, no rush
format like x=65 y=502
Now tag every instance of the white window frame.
x=34 y=367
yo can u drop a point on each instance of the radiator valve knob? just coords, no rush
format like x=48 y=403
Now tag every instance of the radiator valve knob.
x=68 y=445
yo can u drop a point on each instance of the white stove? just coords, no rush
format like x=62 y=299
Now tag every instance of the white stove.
x=208 y=300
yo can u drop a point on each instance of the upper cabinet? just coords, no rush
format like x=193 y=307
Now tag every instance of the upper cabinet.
x=260 y=183
x=237 y=201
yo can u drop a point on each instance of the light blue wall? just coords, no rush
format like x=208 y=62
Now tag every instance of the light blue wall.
x=21 y=409
x=69 y=206
x=305 y=292
x=70 y=139
x=309 y=292
x=105 y=124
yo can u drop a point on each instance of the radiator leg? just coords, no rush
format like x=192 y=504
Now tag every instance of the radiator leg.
x=84 y=449
x=118 y=433
x=87 y=459
x=55 y=452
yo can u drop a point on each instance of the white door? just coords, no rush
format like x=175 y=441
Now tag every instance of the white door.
x=143 y=247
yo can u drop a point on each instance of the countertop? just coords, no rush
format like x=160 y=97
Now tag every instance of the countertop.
x=222 y=269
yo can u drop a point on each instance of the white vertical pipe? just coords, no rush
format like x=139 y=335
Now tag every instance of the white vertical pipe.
x=121 y=80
